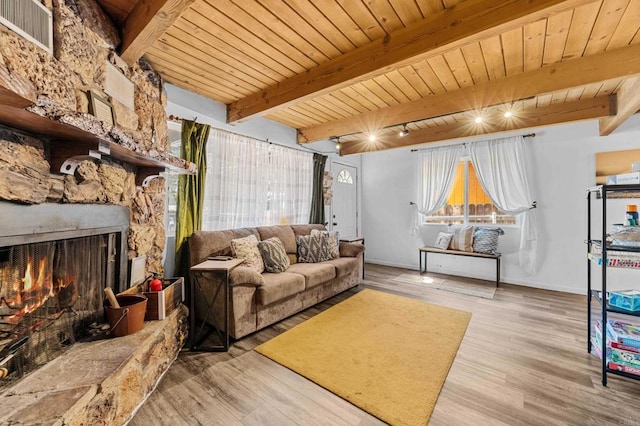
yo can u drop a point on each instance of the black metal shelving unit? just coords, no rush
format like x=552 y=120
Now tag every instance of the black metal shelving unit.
x=603 y=192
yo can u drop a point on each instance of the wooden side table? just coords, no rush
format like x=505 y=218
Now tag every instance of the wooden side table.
x=356 y=240
x=198 y=282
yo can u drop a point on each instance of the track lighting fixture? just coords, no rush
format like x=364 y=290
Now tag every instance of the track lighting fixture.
x=404 y=131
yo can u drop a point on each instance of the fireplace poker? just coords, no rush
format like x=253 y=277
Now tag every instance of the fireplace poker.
x=8 y=351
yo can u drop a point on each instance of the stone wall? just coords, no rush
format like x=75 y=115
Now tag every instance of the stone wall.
x=84 y=40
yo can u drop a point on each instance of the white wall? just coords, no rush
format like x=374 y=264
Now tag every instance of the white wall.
x=564 y=166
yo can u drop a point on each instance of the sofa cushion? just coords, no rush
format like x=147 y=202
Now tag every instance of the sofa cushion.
x=350 y=249
x=277 y=287
x=313 y=248
x=332 y=239
x=313 y=273
x=283 y=232
x=306 y=229
x=245 y=275
x=247 y=249
x=274 y=255
x=203 y=244
x=344 y=265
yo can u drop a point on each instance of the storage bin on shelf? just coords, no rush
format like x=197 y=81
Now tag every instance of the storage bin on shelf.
x=625 y=299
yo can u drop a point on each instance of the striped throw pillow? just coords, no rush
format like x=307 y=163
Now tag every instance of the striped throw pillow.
x=462 y=237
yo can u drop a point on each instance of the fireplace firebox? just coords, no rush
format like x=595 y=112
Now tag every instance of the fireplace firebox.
x=55 y=261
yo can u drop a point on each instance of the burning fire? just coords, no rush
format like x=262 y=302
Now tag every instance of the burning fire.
x=32 y=291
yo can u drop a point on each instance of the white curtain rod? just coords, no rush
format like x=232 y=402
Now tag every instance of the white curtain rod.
x=528 y=135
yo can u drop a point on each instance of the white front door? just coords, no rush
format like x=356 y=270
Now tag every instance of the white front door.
x=344 y=206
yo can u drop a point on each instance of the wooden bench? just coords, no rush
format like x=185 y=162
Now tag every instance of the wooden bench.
x=422 y=252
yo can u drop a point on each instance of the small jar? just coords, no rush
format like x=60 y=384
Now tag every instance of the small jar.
x=632 y=215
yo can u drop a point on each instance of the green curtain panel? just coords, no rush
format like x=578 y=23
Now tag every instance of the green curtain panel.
x=317 y=199
x=190 y=190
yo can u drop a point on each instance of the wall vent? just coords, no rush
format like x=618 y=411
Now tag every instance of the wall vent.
x=30 y=19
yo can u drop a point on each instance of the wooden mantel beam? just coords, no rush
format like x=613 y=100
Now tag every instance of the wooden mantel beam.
x=441 y=32
x=628 y=103
x=527 y=118
x=146 y=22
x=615 y=63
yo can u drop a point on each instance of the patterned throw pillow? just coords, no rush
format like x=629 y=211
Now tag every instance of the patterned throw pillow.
x=332 y=240
x=443 y=240
x=485 y=240
x=312 y=248
x=247 y=249
x=462 y=237
x=274 y=255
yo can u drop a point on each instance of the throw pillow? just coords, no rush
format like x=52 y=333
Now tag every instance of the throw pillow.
x=443 y=240
x=332 y=240
x=274 y=255
x=485 y=240
x=462 y=237
x=247 y=249
x=312 y=248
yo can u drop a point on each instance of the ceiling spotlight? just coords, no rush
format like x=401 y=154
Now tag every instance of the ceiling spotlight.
x=336 y=140
x=507 y=114
x=404 y=131
x=372 y=137
x=478 y=119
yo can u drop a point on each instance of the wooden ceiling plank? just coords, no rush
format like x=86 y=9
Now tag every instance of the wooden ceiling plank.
x=363 y=18
x=493 y=57
x=608 y=87
x=407 y=90
x=408 y=12
x=380 y=92
x=171 y=45
x=575 y=94
x=312 y=112
x=146 y=22
x=447 y=30
x=627 y=27
x=559 y=97
x=459 y=68
x=628 y=103
x=180 y=81
x=118 y=9
x=556 y=38
x=610 y=14
x=195 y=81
x=337 y=103
x=342 y=21
x=534 y=37
x=430 y=78
x=430 y=7
x=591 y=90
x=327 y=26
x=343 y=97
x=441 y=68
x=475 y=61
x=286 y=118
x=552 y=114
x=584 y=17
x=362 y=100
x=245 y=39
x=364 y=93
x=190 y=65
x=513 y=51
x=389 y=87
x=411 y=75
x=328 y=108
x=283 y=20
x=203 y=34
x=385 y=15
x=612 y=64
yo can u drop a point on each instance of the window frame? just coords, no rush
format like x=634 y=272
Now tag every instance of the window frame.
x=466 y=160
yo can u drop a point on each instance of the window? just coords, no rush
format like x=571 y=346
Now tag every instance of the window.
x=345 y=177
x=468 y=203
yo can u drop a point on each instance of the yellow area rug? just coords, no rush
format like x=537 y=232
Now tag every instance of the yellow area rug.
x=386 y=354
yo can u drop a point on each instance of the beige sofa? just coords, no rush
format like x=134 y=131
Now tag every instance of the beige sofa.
x=259 y=300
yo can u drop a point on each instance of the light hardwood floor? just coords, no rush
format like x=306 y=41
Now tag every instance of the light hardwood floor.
x=523 y=361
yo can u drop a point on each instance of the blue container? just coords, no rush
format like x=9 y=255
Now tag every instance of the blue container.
x=626 y=299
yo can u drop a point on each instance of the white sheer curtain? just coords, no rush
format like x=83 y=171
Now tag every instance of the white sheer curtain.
x=436 y=170
x=502 y=169
x=291 y=186
x=253 y=183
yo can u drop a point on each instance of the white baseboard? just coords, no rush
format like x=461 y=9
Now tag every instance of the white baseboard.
x=503 y=279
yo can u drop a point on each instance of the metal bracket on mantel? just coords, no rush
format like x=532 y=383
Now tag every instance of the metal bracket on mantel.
x=67 y=157
x=145 y=175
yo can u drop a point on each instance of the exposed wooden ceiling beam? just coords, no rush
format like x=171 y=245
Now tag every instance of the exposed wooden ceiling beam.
x=628 y=103
x=536 y=117
x=571 y=73
x=450 y=29
x=146 y=22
